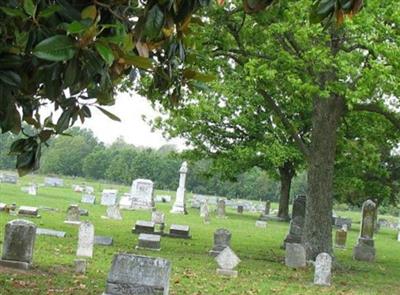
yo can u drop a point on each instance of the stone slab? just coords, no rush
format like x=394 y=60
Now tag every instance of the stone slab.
x=103 y=241
x=50 y=232
x=15 y=264
x=149 y=241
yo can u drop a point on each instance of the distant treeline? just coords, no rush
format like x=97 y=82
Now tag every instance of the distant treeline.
x=83 y=155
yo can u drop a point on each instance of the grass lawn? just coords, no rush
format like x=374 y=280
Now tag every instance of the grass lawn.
x=262 y=270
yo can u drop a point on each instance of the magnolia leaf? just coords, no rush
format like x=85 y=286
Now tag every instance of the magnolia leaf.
x=30 y=7
x=55 y=48
x=137 y=61
x=105 y=52
x=108 y=114
x=154 y=22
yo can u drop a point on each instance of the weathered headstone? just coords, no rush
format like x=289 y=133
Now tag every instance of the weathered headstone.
x=109 y=197
x=297 y=222
x=340 y=221
x=158 y=217
x=179 y=206
x=19 y=241
x=83 y=212
x=85 y=240
x=113 y=213
x=144 y=227
x=50 y=232
x=340 y=238
x=221 y=208
x=365 y=250
x=88 y=199
x=323 y=266
x=80 y=266
x=295 y=255
x=227 y=261
x=9 y=178
x=240 y=209
x=103 y=241
x=89 y=190
x=28 y=211
x=261 y=224
x=222 y=239
x=141 y=275
x=32 y=190
x=53 y=181
x=179 y=231
x=142 y=195
x=204 y=209
x=73 y=215
x=149 y=241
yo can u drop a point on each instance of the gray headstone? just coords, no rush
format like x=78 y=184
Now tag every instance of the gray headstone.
x=179 y=231
x=9 y=178
x=297 y=222
x=132 y=274
x=50 y=232
x=144 y=227
x=204 y=209
x=340 y=238
x=73 y=213
x=295 y=255
x=365 y=250
x=85 y=240
x=240 y=209
x=340 y=222
x=80 y=266
x=158 y=217
x=53 y=181
x=114 y=213
x=221 y=208
x=227 y=261
x=88 y=199
x=28 y=211
x=149 y=241
x=19 y=240
x=222 y=239
x=323 y=266
x=83 y=212
x=103 y=241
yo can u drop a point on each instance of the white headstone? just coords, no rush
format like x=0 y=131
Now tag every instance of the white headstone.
x=88 y=199
x=204 y=208
x=261 y=224
x=85 y=240
x=227 y=261
x=109 y=197
x=113 y=212
x=142 y=194
x=180 y=205
x=158 y=217
x=323 y=265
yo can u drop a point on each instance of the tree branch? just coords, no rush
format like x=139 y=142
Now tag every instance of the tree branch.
x=289 y=126
x=391 y=116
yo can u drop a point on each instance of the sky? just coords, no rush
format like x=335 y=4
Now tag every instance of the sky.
x=129 y=108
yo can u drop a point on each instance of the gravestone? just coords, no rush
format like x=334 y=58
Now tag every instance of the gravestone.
x=297 y=222
x=365 y=250
x=3 y=207
x=85 y=240
x=113 y=213
x=80 y=266
x=89 y=190
x=83 y=212
x=204 y=209
x=19 y=241
x=222 y=239
x=103 y=241
x=142 y=195
x=32 y=190
x=340 y=221
x=295 y=255
x=149 y=241
x=159 y=220
x=28 y=211
x=261 y=224
x=144 y=227
x=53 y=181
x=9 y=178
x=221 y=208
x=73 y=215
x=88 y=199
x=179 y=231
x=50 y=232
x=340 y=238
x=323 y=266
x=227 y=261
x=240 y=209
x=78 y=188
x=179 y=206
x=141 y=275
x=109 y=197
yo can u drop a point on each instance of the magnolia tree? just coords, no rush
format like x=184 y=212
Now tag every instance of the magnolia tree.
x=324 y=72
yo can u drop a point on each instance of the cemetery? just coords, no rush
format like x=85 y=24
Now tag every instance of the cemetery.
x=199 y=147
x=70 y=254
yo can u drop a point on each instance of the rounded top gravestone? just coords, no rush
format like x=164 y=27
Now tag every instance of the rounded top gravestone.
x=323 y=265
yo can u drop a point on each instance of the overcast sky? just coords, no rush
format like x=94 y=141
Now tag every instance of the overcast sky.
x=129 y=108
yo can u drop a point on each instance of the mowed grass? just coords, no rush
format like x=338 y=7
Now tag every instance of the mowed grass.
x=262 y=270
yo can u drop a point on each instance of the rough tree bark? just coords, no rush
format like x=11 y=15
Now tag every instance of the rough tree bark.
x=286 y=173
x=317 y=233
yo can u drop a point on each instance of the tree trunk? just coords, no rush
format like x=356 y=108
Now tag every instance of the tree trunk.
x=286 y=173
x=317 y=232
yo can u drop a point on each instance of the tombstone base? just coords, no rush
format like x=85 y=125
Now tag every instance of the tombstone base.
x=364 y=250
x=291 y=239
x=215 y=252
x=264 y=217
x=108 y=218
x=227 y=272
x=15 y=264
x=178 y=209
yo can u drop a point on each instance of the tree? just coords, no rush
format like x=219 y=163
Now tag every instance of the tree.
x=331 y=71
